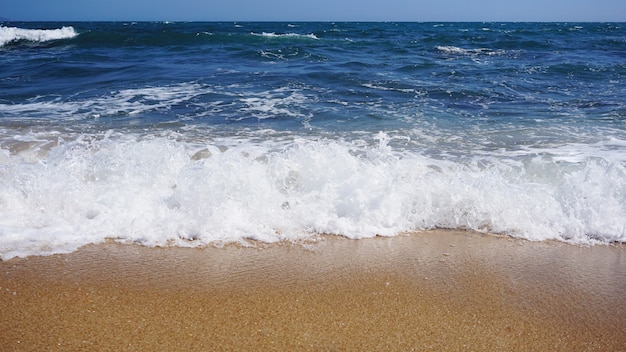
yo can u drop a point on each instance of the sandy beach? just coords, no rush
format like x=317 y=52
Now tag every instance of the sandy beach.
x=437 y=290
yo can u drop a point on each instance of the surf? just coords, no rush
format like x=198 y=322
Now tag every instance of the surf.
x=9 y=35
x=161 y=191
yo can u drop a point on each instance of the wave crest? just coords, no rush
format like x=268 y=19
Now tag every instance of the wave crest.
x=454 y=50
x=14 y=34
x=286 y=35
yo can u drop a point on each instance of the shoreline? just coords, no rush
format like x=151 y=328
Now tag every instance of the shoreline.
x=435 y=290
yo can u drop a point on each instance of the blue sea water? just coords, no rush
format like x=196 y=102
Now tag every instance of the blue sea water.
x=194 y=133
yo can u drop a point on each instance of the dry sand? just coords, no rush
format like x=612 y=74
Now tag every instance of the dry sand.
x=439 y=290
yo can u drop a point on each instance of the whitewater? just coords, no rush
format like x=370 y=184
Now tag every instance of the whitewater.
x=14 y=34
x=191 y=134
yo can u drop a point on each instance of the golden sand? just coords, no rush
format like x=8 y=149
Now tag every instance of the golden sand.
x=438 y=290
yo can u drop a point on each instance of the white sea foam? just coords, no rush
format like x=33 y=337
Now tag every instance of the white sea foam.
x=282 y=101
x=11 y=34
x=263 y=104
x=122 y=102
x=161 y=191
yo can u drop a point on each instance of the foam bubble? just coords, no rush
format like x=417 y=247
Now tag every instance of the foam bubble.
x=11 y=34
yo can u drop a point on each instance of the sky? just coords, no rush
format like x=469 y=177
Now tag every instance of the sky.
x=314 y=10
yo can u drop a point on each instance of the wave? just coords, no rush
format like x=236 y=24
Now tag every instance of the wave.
x=286 y=35
x=460 y=51
x=161 y=191
x=13 y=34
x=181 y=37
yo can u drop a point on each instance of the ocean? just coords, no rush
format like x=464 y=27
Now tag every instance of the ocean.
x=189 y=134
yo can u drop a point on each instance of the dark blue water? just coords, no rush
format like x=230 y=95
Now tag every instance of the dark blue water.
x=199 y=132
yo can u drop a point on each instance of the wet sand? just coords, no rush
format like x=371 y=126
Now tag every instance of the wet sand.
x=438 y=290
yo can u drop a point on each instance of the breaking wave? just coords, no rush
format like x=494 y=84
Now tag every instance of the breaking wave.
x=14 y=34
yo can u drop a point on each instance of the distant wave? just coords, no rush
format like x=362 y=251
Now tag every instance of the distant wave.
x=14 y=34
x=461 y=51
x=286 y=35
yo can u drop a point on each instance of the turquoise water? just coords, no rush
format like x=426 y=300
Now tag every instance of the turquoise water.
x=194 y=133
